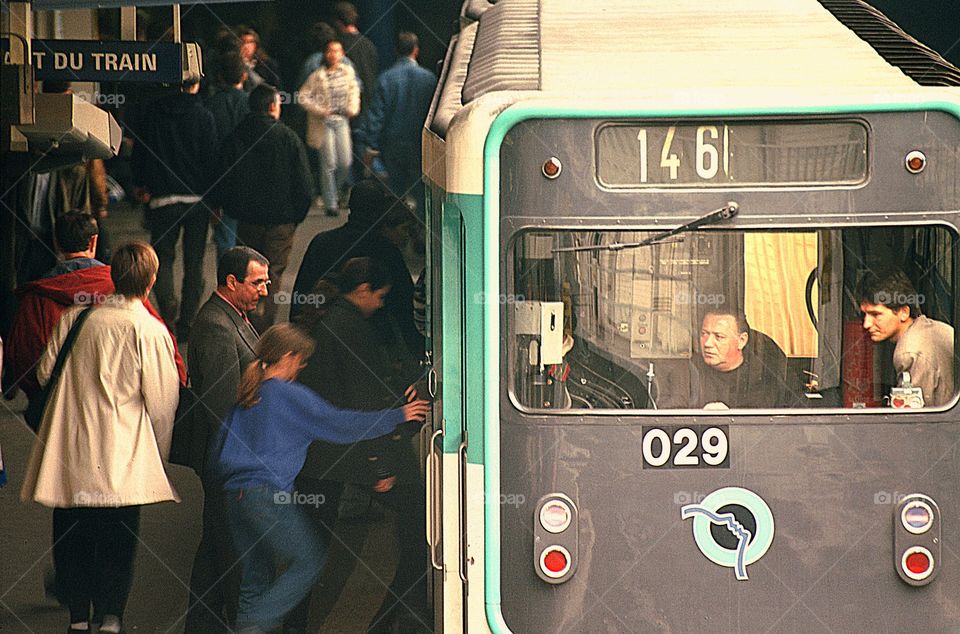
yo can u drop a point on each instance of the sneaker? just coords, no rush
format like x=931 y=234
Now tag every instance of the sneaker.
x=333 y=213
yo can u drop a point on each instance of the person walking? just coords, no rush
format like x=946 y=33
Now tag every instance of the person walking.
x=258 y=453
x=105 y=432
x=221 y=347
x=331 y=98
x=266 y=185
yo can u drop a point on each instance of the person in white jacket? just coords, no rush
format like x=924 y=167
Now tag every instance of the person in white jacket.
x=103 y=438
x=331 y=97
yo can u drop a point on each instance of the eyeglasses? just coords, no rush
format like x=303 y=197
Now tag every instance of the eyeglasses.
x=259 y=283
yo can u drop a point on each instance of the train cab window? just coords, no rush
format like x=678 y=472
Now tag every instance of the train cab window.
x=720 y=319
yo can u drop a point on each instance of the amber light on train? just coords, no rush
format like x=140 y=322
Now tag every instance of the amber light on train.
x=551 y=167
x=915 y=161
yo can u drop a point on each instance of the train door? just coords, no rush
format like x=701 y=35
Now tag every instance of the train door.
x=443 y=436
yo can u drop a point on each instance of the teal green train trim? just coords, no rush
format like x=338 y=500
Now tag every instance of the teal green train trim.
x=491 y=213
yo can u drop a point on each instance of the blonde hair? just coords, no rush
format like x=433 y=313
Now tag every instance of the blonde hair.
x=276 y=342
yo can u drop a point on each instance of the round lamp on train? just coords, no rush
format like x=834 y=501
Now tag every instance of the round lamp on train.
x=915 y=161
x=555 y=516
x=916 y=517
x=917 y=563
x=555 y=561
x=551 y=167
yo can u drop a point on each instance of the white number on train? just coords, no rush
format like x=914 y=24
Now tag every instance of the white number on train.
x=686 y=447
x=712 y=153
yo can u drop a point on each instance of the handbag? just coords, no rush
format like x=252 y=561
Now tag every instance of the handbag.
x=188 y=447
x=33 y=414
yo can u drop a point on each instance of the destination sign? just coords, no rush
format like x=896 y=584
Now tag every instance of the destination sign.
x=731 y=154
x=81 y=60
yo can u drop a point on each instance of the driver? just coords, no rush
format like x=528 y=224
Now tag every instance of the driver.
x=731 y=374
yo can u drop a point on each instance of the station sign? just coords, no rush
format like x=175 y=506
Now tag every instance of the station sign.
x=85 y=60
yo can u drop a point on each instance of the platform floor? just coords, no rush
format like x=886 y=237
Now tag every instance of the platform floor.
x=361 y=558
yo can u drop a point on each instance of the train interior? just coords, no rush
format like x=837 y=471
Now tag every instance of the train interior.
x=613 y=320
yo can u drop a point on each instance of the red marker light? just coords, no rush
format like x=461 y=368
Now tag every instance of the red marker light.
x=917 y=563
x=555 y=561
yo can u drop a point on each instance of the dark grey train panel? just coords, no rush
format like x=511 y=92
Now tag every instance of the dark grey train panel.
x=577 y=192
x=832 y=491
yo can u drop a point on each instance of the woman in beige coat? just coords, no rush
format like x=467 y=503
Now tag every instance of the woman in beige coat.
x=105 y=432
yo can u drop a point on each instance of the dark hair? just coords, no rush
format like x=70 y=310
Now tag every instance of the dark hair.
x=276 y=342
x=133 y=268
x=357 y=271
x=406 y=42
x=236 y=261
x=320 y=34
x=892 y=289
x=731 y=311
x=262 y=97
x=73 y=231
x=231 y=68
x=371 y=202
x=346 y=13
x=353 y=273
x=332 y=41
x=189 y=82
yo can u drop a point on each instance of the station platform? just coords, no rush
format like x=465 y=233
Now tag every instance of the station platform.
x=361 y=559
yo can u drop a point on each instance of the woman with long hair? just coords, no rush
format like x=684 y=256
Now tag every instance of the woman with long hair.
x=260 y=449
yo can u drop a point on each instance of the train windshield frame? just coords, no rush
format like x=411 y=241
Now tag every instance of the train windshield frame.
x=594 y=326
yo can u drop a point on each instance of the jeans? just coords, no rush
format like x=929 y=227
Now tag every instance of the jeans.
x=164 y=224
x=336 y=155
x=270 y=534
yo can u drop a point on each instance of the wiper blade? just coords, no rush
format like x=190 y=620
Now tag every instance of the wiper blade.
x=719 y=215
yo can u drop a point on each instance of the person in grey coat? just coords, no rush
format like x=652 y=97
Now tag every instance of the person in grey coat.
x=221 y=346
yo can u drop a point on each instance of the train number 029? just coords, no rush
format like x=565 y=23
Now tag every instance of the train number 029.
x=686 y=447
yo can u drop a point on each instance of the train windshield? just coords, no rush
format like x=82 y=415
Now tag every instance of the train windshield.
x=721 y=319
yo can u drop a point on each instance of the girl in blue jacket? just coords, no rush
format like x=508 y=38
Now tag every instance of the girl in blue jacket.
x=259 y=451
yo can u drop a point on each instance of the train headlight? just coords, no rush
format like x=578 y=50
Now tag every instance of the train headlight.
x=555 y=516
x=916 y=517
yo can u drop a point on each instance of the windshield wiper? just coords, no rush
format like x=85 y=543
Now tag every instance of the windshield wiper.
x=724 y=213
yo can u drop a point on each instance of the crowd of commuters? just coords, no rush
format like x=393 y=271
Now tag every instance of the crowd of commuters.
x=100 y=364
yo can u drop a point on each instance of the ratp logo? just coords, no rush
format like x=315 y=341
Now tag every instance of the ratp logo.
x=744 y=525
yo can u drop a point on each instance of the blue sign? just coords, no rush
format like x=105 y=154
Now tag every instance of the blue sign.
x=85 y=60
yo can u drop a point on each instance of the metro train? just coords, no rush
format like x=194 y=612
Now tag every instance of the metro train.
x=599 y=176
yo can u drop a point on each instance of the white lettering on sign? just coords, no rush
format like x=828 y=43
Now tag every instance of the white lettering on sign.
x=79 y=60
x=125 y=61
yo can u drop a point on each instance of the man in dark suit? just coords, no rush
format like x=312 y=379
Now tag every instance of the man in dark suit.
x=221 y=347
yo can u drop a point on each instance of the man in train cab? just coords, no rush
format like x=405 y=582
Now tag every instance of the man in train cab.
x=221 y=347
x=739 y=368
x=923 y=347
